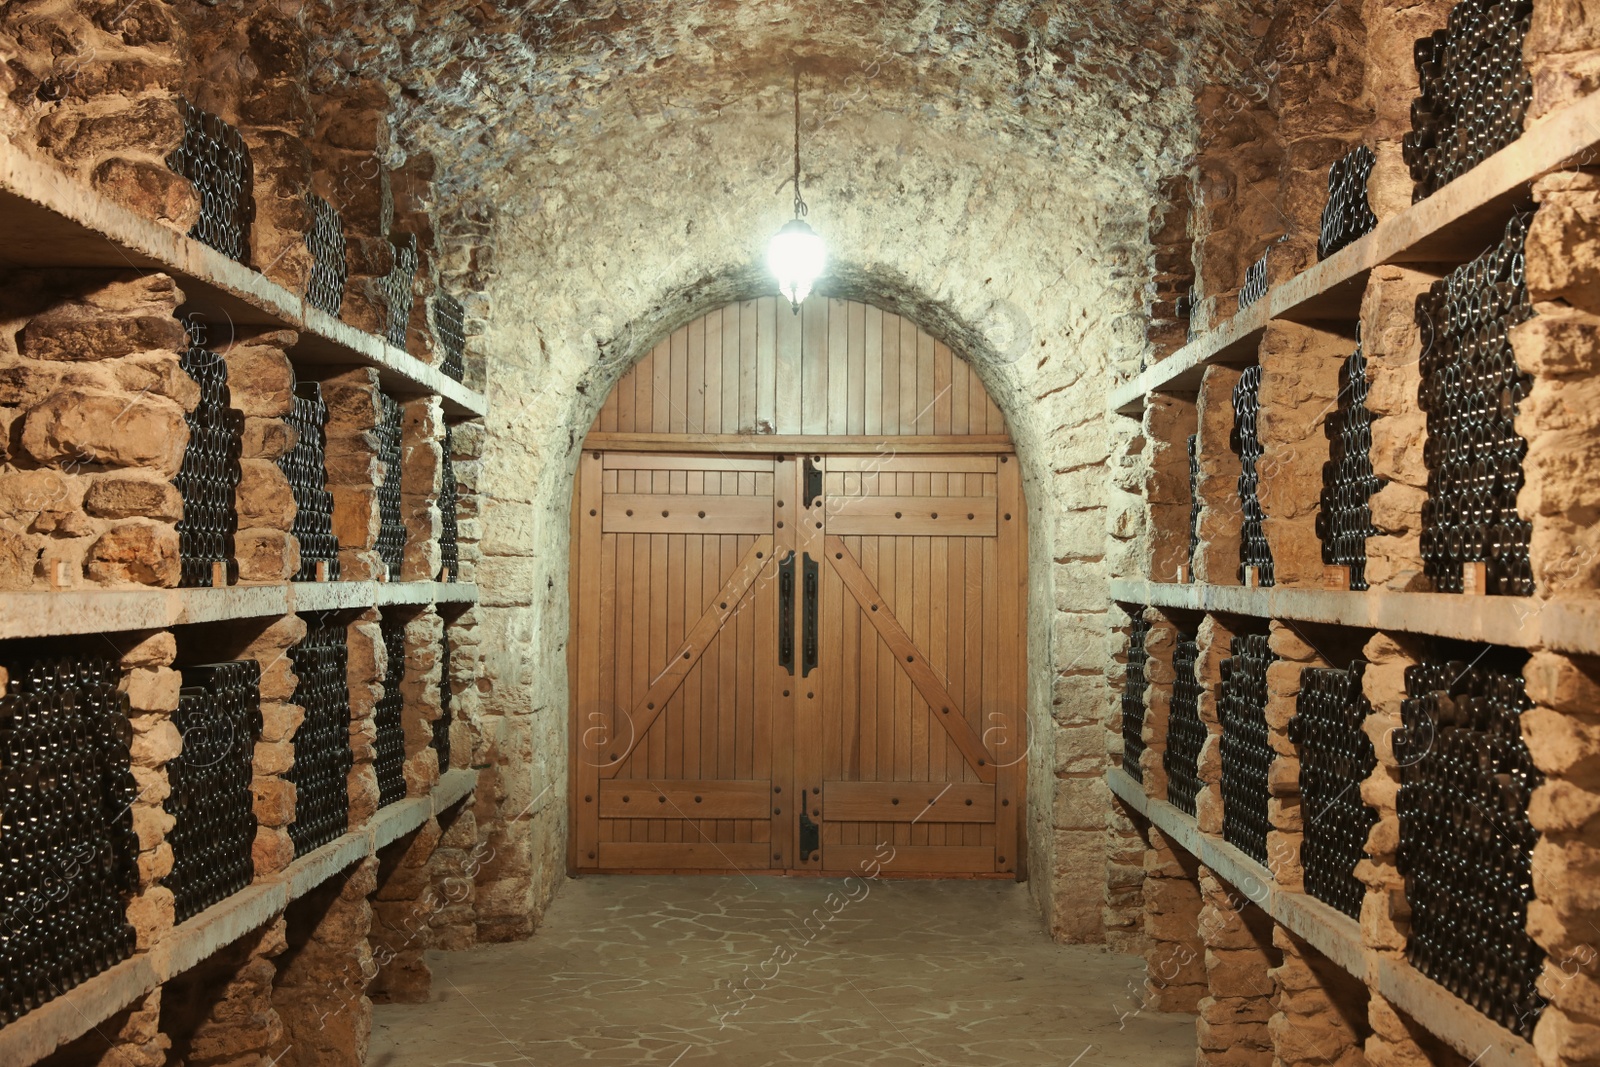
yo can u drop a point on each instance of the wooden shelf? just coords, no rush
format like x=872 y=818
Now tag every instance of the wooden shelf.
x=85 y=1006
x=1336 y=936
x=48 y=219
x=1448 y=228
x=91 y=610
x=1571 y=626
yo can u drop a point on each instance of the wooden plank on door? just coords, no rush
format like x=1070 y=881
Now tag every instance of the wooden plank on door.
x=665 y=683
x=943 y=707
x=930 y=802
x=710 y=798
x=684 y=514
x=585 y=774
x=1011 y=753
x=893 y=462
x=911 y=859
x=693 y=461
x=808 y=687
x=910 y=516
x=688 y=855
x=838 y=356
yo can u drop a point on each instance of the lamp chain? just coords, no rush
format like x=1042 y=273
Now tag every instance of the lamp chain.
x=800 y=208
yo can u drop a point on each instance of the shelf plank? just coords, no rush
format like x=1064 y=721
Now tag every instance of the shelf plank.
x=1571 y=626
x=84 y=1007
x=1450 y=227
x=48 y=219
x=1336 y=936
x=32 y=613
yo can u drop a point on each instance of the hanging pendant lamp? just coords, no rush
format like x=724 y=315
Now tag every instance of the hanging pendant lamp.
x=795 y=255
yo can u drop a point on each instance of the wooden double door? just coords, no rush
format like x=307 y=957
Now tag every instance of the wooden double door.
x=790 y=663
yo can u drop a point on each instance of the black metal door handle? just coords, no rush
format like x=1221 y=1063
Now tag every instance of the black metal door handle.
x=808 y=639
x=786 y=613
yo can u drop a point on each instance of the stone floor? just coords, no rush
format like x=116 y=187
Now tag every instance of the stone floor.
x=633 y=970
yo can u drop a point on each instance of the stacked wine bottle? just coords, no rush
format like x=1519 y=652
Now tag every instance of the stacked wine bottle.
x=396 y=286
x=68 y=852
x=390 y=715
x=1336 y=756
x=1194 y=500
x=216 y=161
x=1133 y=696
x=210 y=472
x=441 y=725
x=1475 y=91
x=1186 y=734
x=327 y=244
x=211 y=802
x=322 y=759
x=1466 y=844
x=1471 y=391
x=1254 y=551
x=306 y=467
x=449 y=546
x=391 y=526
x=1344 y=521
x=1246 y=750
x=1255 y=283
x=1348 y=216
x=449 y=325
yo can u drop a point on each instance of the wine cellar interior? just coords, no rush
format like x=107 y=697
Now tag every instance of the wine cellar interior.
x=416 y=646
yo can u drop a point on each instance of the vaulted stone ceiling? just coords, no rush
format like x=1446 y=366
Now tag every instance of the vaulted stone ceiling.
x=1106 y=86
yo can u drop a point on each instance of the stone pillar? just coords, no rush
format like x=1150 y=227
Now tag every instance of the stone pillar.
x=1168 y=422
x=321 y=988
x=261 y=383
x=1561 y=416
x=367 y=667
x=92 y=398
x=412 y=185
x=1232 y=1028
x=1321 y=113
x=1299 y=390
x=1390 y=77
x=131 y=1038
x=112 y=78
x=1235 y=174
x=1127 y=533
x=1398 y=1040
x=1563 y=54
x=274 y=753
x=152 y=688
x=1384 y=912
x=349 y=148
x=1215 y=640
x=467 y=269
x=451 y=872
x=1392 y=343
x=420 y=691
x=1175 y=955
x=468 y=744
x=1292 y=655
x=1216 y=560
x=422 y=456
x=467 y=440
x=402 y=918
x=1122 y=914
x=275 y=120
x=1563 y=736
x=354 y=472
x=1173 y=267
x=220 y=1013
x=1321 y=1015
x=1160 y=644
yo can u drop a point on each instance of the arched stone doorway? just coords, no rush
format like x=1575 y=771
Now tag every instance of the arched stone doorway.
x=799 y=597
